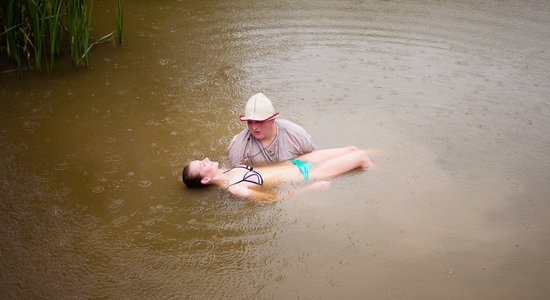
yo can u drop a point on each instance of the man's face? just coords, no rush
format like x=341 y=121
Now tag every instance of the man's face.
x=261 y=129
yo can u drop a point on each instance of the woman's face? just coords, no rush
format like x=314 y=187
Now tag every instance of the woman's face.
x=205 y=167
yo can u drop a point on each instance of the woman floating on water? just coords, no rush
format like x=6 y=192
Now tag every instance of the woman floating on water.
x=254 y=183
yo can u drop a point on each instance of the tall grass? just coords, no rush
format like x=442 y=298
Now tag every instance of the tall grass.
x=119 y=19
x=13 y=31
x=36 y=10
x=53 y=9
x=32 y=32
x=79 y=15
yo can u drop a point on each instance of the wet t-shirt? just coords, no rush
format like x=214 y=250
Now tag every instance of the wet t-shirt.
x=292 y=141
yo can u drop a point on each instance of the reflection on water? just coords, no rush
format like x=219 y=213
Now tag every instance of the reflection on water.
x=451 y=96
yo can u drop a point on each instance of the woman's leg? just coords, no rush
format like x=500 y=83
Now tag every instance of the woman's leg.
x=340 y=165
x=320 y=156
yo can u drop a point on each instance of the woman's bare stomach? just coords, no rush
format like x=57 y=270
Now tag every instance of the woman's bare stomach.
x=282 y=173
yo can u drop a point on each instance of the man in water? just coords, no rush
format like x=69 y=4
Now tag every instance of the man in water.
x=267 y=139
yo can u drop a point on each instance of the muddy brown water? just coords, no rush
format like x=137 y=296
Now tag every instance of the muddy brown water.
x=452 y=97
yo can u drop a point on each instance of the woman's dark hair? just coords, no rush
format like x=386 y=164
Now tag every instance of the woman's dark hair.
x=191 y=181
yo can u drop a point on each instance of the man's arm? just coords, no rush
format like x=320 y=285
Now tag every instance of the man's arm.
x=236 y=148
x=315 y=186
x=309 y=146
x=300 y=140
x=232 y=141
x=262 y=196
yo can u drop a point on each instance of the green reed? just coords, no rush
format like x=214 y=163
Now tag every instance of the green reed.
x=14 y=34
x=53 y=10
x=38 y=28
x=119 y=18
x=32 y=32
x=79 y=14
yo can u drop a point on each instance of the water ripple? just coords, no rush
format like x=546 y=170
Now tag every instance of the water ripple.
x=61 y=166
x=98 y=189
x=145 y=183
x=149 y=222
x=119 y=221
x=113 y=158
x=115 y=205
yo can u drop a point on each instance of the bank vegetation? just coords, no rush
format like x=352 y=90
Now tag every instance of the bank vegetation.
x=34 y=33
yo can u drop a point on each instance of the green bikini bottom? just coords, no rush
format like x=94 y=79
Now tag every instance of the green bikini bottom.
x=303 y=166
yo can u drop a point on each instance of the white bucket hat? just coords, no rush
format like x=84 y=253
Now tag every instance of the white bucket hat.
x=259 y=108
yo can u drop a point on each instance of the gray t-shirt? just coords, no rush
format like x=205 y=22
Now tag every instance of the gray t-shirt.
x=292 y=141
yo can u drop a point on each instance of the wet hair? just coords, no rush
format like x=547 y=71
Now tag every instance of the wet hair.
x=191 y=181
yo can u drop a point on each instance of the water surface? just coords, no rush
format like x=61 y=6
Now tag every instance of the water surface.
x=450 y=96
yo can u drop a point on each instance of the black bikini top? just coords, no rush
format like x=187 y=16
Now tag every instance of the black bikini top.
x=252 y=176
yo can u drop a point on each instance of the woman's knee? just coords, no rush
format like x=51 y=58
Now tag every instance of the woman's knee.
x=361 y=158
x=365 y=161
